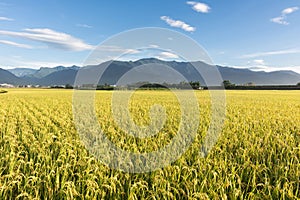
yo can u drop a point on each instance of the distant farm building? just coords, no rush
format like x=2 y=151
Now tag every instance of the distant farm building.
x=6 y=85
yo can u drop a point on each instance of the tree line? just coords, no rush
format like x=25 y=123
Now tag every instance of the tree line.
x=227 y=84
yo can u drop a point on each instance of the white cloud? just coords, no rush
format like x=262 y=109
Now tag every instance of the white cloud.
x=261 y=65
x=259 y=62
x=52 y=38
x=117 y=49
x=271 y=53
x=289 y=10
x=105 y=53
x=84 y=26
x=199 y=7
x=257 y=65
x=154 y=46
x=178 y=24
x=269 y=68
x=167 y=55
x=282 y=19
x=6 y=42
x=38 y=64
x=6 y=19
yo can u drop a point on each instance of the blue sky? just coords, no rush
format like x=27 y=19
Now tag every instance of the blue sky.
x=257 y=34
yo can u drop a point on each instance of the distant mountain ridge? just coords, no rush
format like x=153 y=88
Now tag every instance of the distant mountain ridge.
x=39 y=73
x=20 y=72
x=8 y=77
x=61 y=75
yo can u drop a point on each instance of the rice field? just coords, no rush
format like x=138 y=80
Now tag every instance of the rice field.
x=256 y=157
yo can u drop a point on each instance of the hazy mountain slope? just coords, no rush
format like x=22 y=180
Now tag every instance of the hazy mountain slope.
x=20 y=72
x=59 y=78
x=45 y=71
x=241 y=76
x=8 y=77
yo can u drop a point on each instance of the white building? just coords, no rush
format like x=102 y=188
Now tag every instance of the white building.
x=6 y=85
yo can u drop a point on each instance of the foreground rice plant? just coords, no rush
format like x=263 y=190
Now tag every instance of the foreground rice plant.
x=256 y=157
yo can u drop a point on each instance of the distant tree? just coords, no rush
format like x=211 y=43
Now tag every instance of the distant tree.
x=195 y=84
x=228 y=84
x=88 y=86
x=250 y=84
x=57 y=86
x=298 y=84
x=105 y=87
x=68 y=86
x=184 y=85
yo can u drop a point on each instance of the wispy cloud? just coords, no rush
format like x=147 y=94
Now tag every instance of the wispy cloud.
x=259 y=62
x=6 y=42
x=199 y=7
x=178 y=24
x=37 y=64
x=84 y=26
x=52 y=38
x=154 y=46
x=167 y=55
x=262 y=65
x=271 y=53
x=282 y=19
x=6 y=19
x=18 y=61
x=266 y=68
x=117 y=49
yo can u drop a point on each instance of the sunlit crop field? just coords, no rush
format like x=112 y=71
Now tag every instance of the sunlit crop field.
x=256 y=157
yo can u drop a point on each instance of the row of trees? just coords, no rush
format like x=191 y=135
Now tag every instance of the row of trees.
x=228 y=85
x=142 y=85
x=182 y=85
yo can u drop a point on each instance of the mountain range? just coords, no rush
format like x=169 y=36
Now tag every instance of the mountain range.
x=66 y=75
